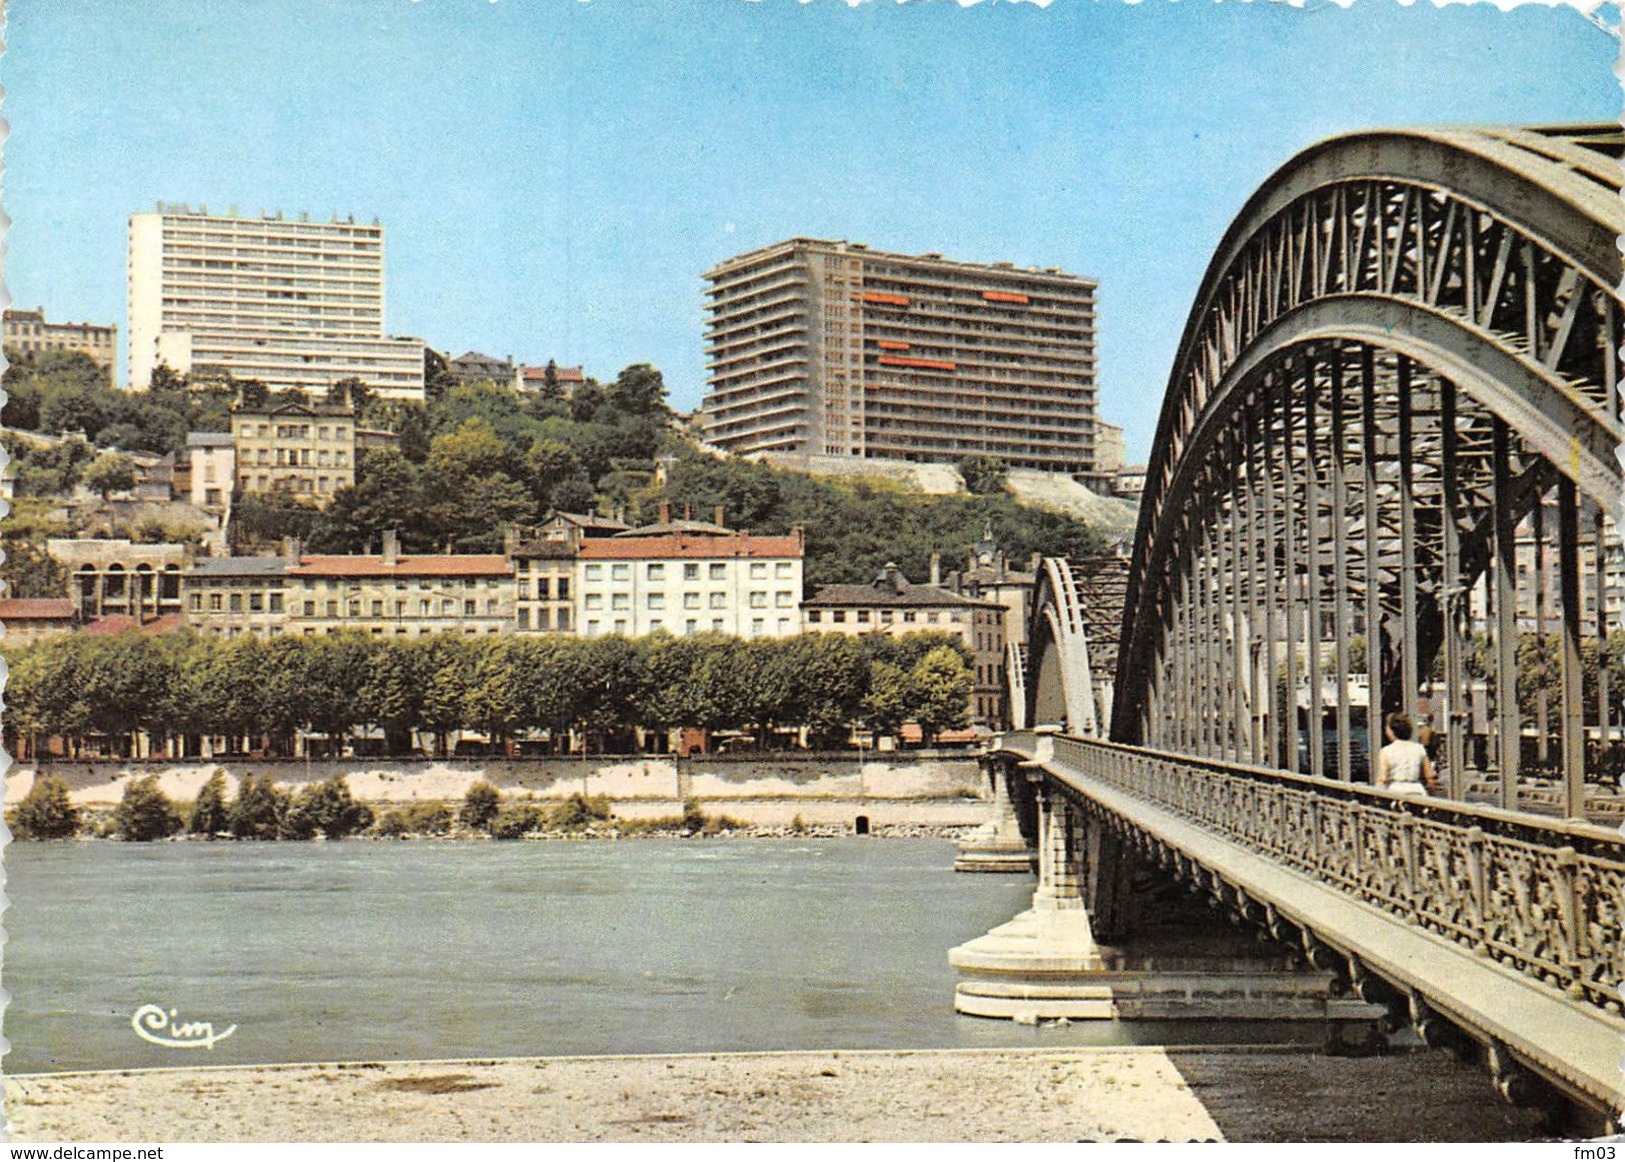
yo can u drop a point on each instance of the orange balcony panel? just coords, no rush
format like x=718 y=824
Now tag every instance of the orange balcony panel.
x=889 y=300
x=892 y=345
x=929 y=364
x=1005 y=297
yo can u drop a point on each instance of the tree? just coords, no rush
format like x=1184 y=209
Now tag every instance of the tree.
x=984 y=475
x=942 y=683
x=259 y=809
x=550 y=381
x=145 y=813
x=325 y=808
x=209 y=814
x=108 y=473
x=481 y=803
x=351 y=392
x=639 y=390
x=46 y=812
x=890 y=699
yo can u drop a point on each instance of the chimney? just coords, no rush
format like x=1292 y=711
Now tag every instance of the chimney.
x=721 y=512
x=392 y=548
x=936 y=568
x=665 y=512
x=293 y=549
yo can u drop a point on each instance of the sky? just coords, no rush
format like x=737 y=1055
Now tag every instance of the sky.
x=555 y=176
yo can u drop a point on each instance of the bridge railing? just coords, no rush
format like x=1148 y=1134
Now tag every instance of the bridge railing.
x=1545 y=897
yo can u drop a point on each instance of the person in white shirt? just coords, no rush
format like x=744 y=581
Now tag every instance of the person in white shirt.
x=1403 y=765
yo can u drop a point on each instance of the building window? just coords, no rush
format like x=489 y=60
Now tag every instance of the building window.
x=782 y=570
x=310 y=609
x=595 y=572
x=564 y=589
x=719 y=601
x=657 y=601
x=196 y=603
x=814 y=617
x=564 y=620
x=276 y=603
x=592 y=628
x=620 y=572
x=932 y=617
x=595 y=601
x=423 y=608
x=719 y=572
x=691 y=601
x=620 y=601
x=332 y=609
x=758 y=570
x=655 y=572
x=543 y=588
x=656 y=625
x=784 y=627
x=784 y=599
x=909 y=615
x=756 y=627
x=256 y=603
x=863 y=615
x=468 y=609
x=716 y=625
x=838 y=616
x=758 y=599
x=236 y=603
x=620 y=625
x=691 y=572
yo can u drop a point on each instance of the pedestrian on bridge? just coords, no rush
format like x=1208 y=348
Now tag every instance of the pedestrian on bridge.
x=1403 y=765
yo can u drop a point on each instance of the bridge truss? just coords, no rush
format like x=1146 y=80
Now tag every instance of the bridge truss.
x=1385 y=474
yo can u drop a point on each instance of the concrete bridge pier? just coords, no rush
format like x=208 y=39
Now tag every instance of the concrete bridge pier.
x=1040 y=964
x=999 y=844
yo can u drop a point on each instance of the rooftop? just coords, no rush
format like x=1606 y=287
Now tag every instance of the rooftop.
x=441 y=565
x=239 y=567
x=208 y=439
x=891 y=588
x=686 y=546
x=36 y=609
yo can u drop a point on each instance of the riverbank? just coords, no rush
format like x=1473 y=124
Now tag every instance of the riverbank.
x=1107 y=1094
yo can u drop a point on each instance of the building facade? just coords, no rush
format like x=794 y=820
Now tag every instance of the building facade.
x=30 y=619
x=29 y=332
x=213 y=461
x=309 y=450
x=894 y=606
x=114 y=577
x=227 y=596
x=685 y=583
x=398 y=595
x=293 y=304
x=830 y=348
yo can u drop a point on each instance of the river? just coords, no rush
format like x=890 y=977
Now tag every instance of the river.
x=369 y=950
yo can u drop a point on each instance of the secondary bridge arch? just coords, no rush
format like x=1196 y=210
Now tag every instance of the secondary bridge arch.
x=1397 y=386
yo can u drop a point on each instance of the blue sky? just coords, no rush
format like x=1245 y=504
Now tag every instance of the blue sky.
x=555 y=175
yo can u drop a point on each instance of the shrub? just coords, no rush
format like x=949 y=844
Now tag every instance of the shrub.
x=328 y=808
x=517 y=821
x=46 y=812
x=480 y=805
x=694 y=817
x=418 y=819
x=798 y=826
x=145 y=813
x=717 y=824
x=259 y=809
x=579 y=810
x=209 y=814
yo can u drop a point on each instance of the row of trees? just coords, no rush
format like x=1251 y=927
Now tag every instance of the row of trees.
x=169 y=687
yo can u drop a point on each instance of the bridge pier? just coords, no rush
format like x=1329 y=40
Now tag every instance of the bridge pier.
x=1039 y=964
x=998 y=845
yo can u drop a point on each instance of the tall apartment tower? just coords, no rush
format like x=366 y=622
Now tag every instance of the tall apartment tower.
x=295 y=304
x=833 y=349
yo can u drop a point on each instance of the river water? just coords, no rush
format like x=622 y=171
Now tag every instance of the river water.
x=355 y=951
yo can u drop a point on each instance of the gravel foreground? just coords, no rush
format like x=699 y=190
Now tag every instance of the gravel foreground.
x=1113 y=1094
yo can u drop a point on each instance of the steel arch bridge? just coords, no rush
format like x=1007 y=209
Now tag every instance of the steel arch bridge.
x=1384 y=479
x=1397 y=384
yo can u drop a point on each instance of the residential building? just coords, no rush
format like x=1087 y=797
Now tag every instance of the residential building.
x=30 y=333
x=306 y=449
x=114 y=577
x=401 y=595
x=293 y=304
x=688 y=582
x=213 y=457
x=894 y=606
x=990 y=576
x=544 y=573
x=28 y=619
x=833 y=349
x=534 y=379
x=477 y=367
x=227 y=596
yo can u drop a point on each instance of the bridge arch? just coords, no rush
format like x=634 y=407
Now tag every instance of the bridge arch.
x=1385 y=464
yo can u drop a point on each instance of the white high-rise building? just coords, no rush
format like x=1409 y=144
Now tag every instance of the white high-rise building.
x=290 y=303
